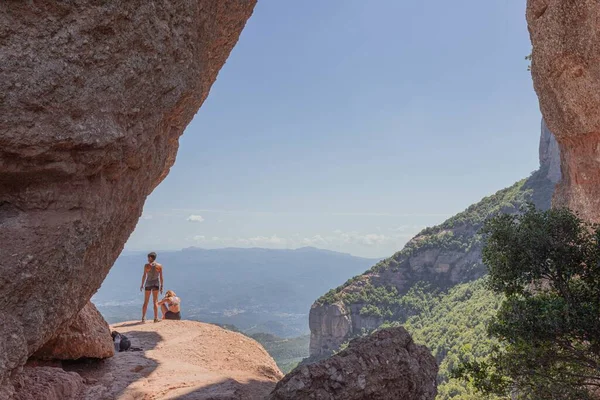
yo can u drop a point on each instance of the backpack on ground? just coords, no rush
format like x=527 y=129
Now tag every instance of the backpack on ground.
x=122 y=340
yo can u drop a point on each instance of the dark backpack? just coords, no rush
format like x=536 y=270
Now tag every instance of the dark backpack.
x=125 y=342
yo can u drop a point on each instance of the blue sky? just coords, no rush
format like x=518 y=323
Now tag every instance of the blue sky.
x=350 y=125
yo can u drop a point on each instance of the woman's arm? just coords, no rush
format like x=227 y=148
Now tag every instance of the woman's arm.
x=143 y=279
x=162 y=280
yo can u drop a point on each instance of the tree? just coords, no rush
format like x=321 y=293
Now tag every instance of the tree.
x=547 y=264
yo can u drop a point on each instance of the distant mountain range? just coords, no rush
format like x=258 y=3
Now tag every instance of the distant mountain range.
x=257 y=290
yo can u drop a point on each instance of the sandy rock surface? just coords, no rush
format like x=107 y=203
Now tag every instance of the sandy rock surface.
x=181 y=360
x=93 y=99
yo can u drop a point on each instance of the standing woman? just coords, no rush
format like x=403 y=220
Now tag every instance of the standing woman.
x=152 y=281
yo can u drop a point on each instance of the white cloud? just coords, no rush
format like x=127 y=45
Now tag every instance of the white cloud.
x=342 y=239
x=339 y=240
x=195 y=218
x=146 y=216
x=406 y=231
x=373 y=239
x=316 y=240
x=267 y=240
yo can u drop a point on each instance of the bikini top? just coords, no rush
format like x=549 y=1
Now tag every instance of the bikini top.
x=174 y=301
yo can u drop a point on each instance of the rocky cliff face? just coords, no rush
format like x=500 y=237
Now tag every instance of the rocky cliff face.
x=381 y=366
x=329 y=323
x=549 y=154
x=93 y=98
x=441 y=256
x=566 y=77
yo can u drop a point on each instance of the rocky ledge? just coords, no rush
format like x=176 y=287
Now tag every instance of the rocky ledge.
x=174 y=360
x=385 y=365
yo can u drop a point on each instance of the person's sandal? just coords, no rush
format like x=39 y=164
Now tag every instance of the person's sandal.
x=156 y=320
x=143 y=320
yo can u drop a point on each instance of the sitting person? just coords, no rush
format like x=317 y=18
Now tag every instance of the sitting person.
x=170 y=306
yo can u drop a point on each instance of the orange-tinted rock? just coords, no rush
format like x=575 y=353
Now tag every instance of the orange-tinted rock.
x=93 y=99
x=87 y=337
x=566 y=76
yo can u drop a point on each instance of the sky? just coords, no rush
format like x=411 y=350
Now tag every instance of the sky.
x=350 y=126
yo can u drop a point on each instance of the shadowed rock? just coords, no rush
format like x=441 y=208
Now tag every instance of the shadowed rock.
x=385 y=365
x=566 y=77
x=48 y=383
x=87 y=337
x=93 y=98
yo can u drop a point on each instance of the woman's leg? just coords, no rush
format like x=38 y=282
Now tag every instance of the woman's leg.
x=155 y=302
x=164 y=310
x=145 y=306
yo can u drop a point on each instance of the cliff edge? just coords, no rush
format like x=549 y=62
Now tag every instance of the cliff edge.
x=176 y=360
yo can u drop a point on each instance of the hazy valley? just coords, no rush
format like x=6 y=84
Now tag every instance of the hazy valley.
x=256 y=290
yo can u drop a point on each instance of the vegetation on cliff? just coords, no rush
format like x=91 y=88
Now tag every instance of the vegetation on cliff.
x=547 y=265
x=287 y=352
x=453 y=326
x=459 y=234
x=450 y=318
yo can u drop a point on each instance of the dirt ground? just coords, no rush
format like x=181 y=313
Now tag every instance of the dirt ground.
x=181 y=360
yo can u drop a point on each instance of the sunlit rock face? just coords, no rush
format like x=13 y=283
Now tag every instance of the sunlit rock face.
x=93 y=99
x=566 y=76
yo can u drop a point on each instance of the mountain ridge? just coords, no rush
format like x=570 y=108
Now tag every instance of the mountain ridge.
x=440 y=256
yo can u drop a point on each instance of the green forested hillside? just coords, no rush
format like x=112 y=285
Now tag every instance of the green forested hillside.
x=287 y=352
x=435 y=287
x=457 y=239
x=453 y=327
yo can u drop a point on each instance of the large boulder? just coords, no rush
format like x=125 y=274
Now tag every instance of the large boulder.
x=93 y=98
x=87 y=337
x=566 y=77
x=385 y=365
